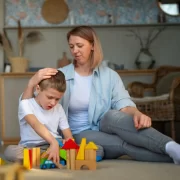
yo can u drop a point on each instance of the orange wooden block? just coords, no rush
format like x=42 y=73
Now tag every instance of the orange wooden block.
x=34 y=157
x=38 y=156
x=91 y=165
x=72 y=158
x=68 y=159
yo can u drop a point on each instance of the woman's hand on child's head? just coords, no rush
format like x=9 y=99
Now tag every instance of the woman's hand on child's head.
x=53 y=152
x=42 y=74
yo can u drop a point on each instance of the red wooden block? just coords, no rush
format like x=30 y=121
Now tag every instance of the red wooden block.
x=70 y=144
x=30 y=157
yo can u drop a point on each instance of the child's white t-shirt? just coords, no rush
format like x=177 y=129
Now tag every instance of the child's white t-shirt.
x=52 y=119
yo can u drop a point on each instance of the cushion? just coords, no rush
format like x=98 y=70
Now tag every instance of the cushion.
x=150 y=99
x=164 y=84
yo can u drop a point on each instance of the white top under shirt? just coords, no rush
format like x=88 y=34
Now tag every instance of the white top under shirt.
x=79 y=103
x=52 y=119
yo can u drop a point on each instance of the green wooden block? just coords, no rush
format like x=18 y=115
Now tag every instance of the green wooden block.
x=62 y=153
x=42 y=160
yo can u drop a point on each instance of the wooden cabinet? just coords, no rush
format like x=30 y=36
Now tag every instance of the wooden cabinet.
x=11 y=87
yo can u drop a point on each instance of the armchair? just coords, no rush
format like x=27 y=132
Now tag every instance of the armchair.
x=164 y=104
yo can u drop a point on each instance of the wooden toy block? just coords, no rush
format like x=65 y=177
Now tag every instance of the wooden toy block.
x=70 y=144
x=42 y=160
x=91 y=165
x=60 y=143
x=72 y=159
x=68 y=159
x=63 y=162
x=34 y=157
x=2 y=162
x=90 y=154
x=62 y=153
x=26 y=160
x=80 y=155
x=98 y=158
x=91 y=145
x=44 y=155
x=9 y=172
x=20 y=174
x=30 y=158
x=38 y=155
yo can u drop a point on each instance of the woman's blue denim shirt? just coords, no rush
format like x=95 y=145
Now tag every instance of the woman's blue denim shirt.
x=107 y=93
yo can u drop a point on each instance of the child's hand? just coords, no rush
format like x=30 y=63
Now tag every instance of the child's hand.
x=53 y=152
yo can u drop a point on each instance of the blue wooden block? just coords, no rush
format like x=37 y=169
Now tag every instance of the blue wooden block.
x=60 y=143
x=98 y=158
x=63 y=162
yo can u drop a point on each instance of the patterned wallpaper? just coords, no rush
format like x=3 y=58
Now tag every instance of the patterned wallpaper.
x=92 y=12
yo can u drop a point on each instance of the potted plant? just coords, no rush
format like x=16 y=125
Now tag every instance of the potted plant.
x=19 y=63
x=145 y=59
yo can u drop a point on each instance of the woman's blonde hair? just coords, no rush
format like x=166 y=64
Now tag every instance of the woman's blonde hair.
x=87 y=33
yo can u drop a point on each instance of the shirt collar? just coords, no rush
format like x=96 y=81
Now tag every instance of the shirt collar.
x=70 y=72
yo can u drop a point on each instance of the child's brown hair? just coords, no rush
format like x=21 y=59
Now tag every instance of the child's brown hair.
x=56 y=81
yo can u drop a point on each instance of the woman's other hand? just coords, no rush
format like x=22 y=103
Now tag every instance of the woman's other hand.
x=141 y=120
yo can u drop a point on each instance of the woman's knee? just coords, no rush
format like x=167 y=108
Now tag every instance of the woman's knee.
x=116 y=114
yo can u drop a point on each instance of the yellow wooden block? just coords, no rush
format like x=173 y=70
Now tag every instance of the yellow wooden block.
x=26 y=160
x=2 y=162
x=80 y=155
x=91 y=145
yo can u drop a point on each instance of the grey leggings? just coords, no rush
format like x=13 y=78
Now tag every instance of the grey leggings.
x=118 y=137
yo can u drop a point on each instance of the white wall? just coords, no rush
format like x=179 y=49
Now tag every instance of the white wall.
x=117 y=46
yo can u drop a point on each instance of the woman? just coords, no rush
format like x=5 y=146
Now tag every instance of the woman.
x=100 y=109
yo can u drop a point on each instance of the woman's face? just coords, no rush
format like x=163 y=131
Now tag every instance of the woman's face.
x=80 y=49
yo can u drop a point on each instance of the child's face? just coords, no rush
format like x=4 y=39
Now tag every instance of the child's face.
x=48 y=98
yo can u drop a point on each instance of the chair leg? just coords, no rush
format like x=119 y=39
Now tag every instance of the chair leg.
x=173 y=134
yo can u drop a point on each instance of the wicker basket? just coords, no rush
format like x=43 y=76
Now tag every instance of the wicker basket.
x=19 y=64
